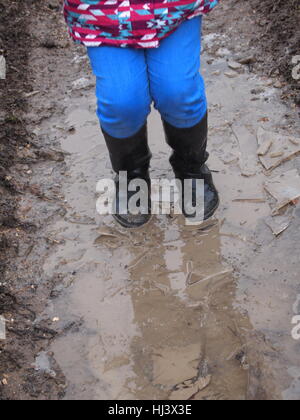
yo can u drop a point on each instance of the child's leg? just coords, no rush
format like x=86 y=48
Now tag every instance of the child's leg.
x=178 y=91
x=122 y=89
x=123 y=106
x=176 y=85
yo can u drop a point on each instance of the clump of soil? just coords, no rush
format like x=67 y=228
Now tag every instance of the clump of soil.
x=279 y=38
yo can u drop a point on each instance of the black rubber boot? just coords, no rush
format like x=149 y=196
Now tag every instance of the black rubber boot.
x=131 y=155
x=188 y=161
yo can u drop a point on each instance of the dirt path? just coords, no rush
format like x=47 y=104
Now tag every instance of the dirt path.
x=169 y=311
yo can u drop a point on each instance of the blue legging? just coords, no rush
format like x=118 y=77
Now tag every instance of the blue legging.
x=128 y=80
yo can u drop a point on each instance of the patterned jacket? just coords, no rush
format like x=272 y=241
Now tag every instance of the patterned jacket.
x=129 y=23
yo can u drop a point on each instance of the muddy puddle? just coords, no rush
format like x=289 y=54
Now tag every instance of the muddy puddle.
x=171 y=311
x=152 y=319
x=151 y=308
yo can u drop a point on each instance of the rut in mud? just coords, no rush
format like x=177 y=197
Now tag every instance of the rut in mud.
x=169 y=311
x=23 y=293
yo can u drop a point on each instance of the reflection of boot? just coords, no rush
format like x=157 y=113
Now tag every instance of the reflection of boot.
x=188 y=160
x=131 y=154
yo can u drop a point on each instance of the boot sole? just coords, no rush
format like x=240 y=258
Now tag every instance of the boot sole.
x=130 y=226
x=213 y=211
x=136 y=227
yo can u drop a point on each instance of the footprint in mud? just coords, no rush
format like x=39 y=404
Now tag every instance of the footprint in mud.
x=158 y=315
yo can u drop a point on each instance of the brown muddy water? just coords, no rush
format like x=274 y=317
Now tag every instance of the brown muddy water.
x=171 y=311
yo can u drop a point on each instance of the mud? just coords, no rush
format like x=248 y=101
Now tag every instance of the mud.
x=169 y=311
x=24 y=209
x=280 y=39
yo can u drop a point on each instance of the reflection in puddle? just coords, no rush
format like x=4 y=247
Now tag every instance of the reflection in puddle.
x=184 y=326
x=148 y=333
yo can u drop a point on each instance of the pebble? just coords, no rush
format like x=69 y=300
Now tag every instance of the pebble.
x=257 y=91
x=249 y=59
x=82 y=83
x=278 y=85
x=231 y=74
x=233 y=65
x=223 y=52
x=269 y=82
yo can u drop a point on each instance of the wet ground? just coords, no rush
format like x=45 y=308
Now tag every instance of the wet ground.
x=172 y=311
x=162 y=308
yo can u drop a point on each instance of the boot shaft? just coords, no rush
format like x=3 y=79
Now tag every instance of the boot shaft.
x=131 y=154
x=189 y=146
